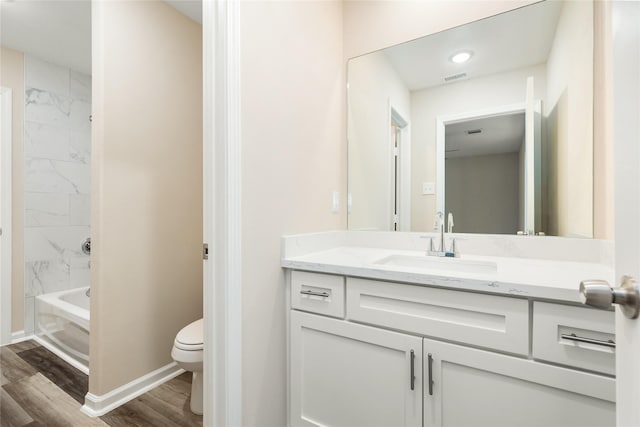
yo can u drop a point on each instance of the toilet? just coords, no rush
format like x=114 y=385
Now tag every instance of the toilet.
x=187 y=352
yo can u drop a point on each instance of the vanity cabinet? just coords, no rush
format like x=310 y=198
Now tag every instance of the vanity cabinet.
x=472 y=387
x=366 y=352
x=345 y=374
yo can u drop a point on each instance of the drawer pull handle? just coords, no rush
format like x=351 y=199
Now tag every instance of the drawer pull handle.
x=315 y=294
x=430 y=365
x=574 y=337
x=413 y=374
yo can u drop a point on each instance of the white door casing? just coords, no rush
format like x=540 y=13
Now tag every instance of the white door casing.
x=5 y=215
x=533 y=159
x=400 y=187
x=625 y=17
x=222 y=272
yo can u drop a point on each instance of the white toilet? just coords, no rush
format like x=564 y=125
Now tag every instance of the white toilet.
x=187 y=352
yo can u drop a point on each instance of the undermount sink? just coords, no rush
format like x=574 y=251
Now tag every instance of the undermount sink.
x=443 y=263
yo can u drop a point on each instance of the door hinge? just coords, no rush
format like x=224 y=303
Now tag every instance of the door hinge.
x=205 y=251
x=395 y=219
x=396 y=151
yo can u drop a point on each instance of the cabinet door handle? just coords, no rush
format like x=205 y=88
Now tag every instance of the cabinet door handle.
x=574 y=337
x=430 y=365
x=413 y=374
x=315 y=294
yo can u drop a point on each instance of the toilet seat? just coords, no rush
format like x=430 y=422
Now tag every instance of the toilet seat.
x=187 y=352
x=190 y=338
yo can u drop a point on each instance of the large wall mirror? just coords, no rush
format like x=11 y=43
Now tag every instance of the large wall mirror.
x=490 y=121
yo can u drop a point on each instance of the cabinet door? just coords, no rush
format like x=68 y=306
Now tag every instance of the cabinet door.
x=478 y=388
x=344 y=374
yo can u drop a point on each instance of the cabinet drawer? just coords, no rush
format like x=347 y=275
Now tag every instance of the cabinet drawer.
x=489 y=321
x=317 y=293
x=557 y=330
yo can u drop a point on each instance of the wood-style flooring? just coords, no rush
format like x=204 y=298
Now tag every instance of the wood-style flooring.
x=37 y=388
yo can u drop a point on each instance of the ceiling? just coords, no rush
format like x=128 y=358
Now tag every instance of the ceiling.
x=518 y=39
x=56 y=31
x=499 y=135
x=59 y=31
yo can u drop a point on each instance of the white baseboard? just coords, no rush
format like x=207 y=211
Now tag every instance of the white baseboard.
x=20 y=336
x=96 y=406
x=17 y=337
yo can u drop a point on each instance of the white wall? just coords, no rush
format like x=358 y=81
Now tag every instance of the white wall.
x=483 y=193
x=146 y=204
x=57 y=151
x=603 y=165
x=374 y=87
x=471 y=95
x=568 y=146
x=293 y=158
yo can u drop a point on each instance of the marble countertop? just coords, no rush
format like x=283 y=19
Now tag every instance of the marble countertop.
x=520 y=277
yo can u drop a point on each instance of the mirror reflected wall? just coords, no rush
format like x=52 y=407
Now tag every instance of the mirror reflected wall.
x=491 y=122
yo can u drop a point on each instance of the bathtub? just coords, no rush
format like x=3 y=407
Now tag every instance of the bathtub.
x=62 y=325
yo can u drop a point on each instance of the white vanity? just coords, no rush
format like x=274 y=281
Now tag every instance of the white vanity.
x=382 y=335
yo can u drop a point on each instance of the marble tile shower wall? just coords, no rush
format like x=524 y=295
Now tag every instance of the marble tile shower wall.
x=57 y=149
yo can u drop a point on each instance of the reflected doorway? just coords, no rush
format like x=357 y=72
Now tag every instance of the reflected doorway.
x=485 y=174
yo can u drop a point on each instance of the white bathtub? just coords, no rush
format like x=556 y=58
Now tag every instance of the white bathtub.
x=62 y=325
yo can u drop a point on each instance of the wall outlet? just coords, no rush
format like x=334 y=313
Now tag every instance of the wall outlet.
x=428 y=188
x=335 y=203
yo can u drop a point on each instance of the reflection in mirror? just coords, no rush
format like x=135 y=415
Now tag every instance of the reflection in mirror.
x=484 y=174
x=491 y=121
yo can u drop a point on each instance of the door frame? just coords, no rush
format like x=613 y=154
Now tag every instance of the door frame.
x=444 y=120
x=403 y=184
x=625 y=54
x=222 y=271
x=5 y=214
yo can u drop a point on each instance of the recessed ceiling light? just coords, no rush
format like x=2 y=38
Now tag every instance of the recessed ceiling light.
x=461 y=57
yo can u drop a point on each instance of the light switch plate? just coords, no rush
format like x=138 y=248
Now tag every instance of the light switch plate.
x=428 y=188
x=335 y=205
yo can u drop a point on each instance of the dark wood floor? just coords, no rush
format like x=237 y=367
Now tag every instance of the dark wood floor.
x=37 y=388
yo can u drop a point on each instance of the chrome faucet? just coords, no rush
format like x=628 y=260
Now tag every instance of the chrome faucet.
x=439 y=226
